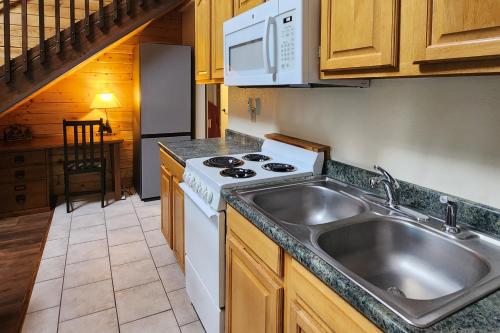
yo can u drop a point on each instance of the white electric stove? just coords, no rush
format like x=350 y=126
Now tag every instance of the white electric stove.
x=205 y=218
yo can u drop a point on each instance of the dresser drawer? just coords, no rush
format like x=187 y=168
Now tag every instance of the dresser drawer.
x=23 y=174
x=14 y=160
x=21 y=196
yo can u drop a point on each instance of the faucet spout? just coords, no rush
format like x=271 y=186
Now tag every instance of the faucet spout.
x=390 y=185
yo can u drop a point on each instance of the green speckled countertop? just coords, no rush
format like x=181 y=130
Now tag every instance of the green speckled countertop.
x=481 y=316
x=234 y=143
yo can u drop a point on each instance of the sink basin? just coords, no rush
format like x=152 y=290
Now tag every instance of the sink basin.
x=310 y=204
x=403 y=259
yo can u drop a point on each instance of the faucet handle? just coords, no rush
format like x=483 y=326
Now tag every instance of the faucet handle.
x=387 y=175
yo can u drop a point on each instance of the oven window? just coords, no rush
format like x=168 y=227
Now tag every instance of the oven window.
x=246 y=56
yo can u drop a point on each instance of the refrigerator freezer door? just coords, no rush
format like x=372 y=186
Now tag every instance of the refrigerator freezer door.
x=150 y=165
x=166 y=83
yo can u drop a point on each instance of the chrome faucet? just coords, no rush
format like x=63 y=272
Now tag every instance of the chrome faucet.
x=450 y=224
x=391 y=186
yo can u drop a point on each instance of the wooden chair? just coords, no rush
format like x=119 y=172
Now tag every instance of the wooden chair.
x=84 y=158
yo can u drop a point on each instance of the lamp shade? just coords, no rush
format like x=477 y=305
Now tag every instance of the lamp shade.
x=105 y=101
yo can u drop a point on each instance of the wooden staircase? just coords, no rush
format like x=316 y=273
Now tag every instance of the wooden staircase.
x=44 y=39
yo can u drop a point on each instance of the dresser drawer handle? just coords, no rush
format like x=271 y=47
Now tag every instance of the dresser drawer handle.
x=20 y=188
x=19 y=159
x=20 y=174
x=21 y=199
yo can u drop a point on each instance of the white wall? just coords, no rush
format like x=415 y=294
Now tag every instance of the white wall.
x=441 y=133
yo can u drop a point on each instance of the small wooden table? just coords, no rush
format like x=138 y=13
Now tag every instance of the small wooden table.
x=50 y=143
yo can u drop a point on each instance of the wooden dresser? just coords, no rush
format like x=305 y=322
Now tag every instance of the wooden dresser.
x=24 y=179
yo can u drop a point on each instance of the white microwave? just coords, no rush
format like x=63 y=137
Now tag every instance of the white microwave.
x=276 y=44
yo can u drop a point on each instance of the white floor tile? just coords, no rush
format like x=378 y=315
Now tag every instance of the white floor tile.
x=147 y=211
x=51 y=268
x=121 y=221
x=151 y=223
x=141 y=301
x=84 y=207
x=86 y=272
x=55 y=248
x=87 y=234
x=44 y=321
x=161 y=323
x=45 y=295
x=58 y=231
x=134 y=274
x=155 y=238
x=183 y=309
x=87 y=251
x=124 y=207
x=172 y=277
x=99 y=322
x=85 y=221
x=87 y=299
x=125 y=253
x=195 y=327
x=125 y=235
x=163 y=255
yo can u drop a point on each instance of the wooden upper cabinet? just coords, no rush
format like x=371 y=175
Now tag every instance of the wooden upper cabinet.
x=241 y=6
x=222 y=10
x=460 y=30
x=202 y=39
x=357 y=34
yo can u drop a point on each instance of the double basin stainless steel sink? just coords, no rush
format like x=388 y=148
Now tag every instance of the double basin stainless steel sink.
x=420 y=272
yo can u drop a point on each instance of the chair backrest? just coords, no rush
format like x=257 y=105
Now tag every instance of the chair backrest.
x=79 y=135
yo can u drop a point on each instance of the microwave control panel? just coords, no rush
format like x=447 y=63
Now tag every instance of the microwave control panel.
x=287 y=43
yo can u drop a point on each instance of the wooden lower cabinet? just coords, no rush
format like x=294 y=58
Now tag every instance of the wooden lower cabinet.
x=254 y=294
x=311 y=306
x=178 y=222
x=264 y=297
x=172 y=205
x=166 y=207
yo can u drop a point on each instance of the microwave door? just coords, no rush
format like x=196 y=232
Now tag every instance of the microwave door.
x=250 y=44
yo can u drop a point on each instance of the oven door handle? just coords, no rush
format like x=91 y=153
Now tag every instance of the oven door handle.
x=205 y=208
x=268 y=68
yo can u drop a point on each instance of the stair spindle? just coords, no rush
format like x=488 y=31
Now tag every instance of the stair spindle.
x=129 y=7
x=6 y=39
x=41 y=29
x=57 y=27
x=116 y=13
x=87 y=18
x=24 y=26
x=101 y=15
x=72 y=27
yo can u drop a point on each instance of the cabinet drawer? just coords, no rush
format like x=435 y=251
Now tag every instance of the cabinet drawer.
x=13 y=160
x=20 y=196
x=171 y=165
x=27 y=173
x=258 y=244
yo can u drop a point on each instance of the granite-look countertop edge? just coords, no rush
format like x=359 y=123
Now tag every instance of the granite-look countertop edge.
x=187 y=149
x=482 y=316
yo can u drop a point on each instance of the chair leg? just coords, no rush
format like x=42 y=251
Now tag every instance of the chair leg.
x=103 y=183
x=66 y=191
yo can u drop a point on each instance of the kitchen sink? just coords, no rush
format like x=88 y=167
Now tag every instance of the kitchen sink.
x=403 y=259
x=311 y=204
x=410 y=265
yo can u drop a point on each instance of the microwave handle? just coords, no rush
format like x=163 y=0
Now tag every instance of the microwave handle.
x=267 y=56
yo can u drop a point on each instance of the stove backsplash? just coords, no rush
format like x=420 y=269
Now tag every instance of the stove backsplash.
x=480 y=217
x=244 y=138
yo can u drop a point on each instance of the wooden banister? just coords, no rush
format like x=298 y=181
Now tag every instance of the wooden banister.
x=6 y=40
x=41 y=29
x=24 y=26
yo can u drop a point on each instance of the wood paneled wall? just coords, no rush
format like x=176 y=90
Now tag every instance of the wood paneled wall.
x=71 y=97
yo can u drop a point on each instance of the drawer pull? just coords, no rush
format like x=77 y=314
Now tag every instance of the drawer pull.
x=21 y=199
x=19 y=159
x=19 y=174
x=20 y=188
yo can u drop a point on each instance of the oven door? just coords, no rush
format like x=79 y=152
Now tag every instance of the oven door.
x=205 y=232
x=250 y=47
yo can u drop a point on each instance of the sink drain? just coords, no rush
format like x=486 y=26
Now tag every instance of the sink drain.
x=396 y=291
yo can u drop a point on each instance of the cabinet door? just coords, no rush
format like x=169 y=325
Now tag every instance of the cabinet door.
x=166 y=204
x=357 y=34
x=241 y=6
x=302 y=321
x=254 y=295
x=178 y=222
x=222 y=10
x=202 y=39
x=459 y=29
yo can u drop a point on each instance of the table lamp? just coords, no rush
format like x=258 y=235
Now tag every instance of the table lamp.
x=105 y=101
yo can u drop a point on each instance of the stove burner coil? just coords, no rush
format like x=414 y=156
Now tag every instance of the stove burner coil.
x=256 y=158
x=238 y=173
x=279 y=167
x=223 y=162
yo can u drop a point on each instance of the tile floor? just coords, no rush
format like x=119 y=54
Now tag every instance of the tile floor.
x=109 y=270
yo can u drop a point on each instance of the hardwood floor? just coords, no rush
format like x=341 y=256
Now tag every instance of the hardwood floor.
x=21 y=243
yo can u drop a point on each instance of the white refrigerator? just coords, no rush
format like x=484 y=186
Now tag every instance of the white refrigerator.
x=162 y=110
